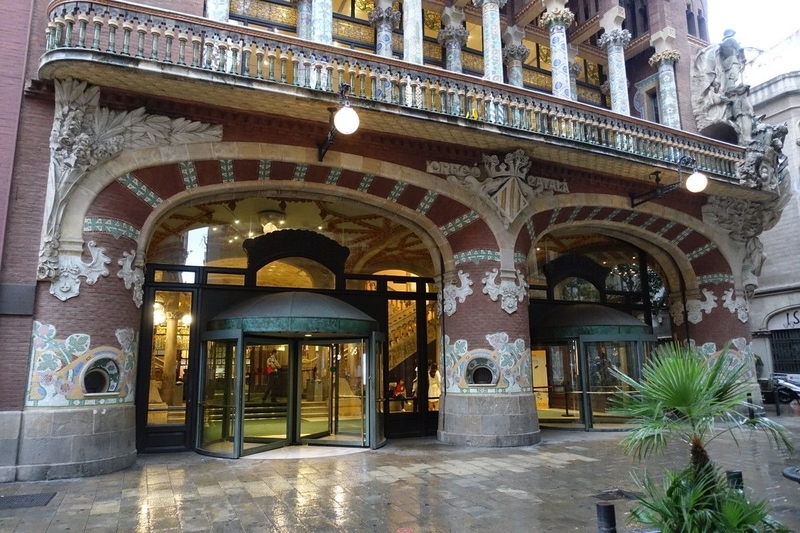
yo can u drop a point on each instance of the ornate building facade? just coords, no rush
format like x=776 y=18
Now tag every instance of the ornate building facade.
x=196 y=256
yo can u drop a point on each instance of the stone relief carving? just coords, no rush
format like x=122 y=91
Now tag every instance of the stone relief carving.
x=738 y=306
x=743 y=221
x=133 y=276
x=83 y=136
x=66 y=281
x=511 y=289
x=452 y=293
x=696 y=308
x=505 y=186
x=676 y=310
x=765 y=166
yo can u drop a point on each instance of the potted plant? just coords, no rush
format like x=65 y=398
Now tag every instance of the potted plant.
x=683 y=396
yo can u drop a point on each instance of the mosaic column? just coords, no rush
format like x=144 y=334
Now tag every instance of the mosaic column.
x=322 y=21
x=664 y=60
x=304 y=18
x=218 y=10
x=452 y=37
x=556 y=19
x=412 y=31
x=614 y=41
x=514 y=53
x=384 y=19
x=492 y=44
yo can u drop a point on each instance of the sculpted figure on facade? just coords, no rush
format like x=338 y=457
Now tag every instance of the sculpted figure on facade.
x=744 y=221
x=764 y=166
x=718 y=94
x=83 y=136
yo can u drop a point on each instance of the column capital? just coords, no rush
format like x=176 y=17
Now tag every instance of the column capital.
x=575 y=68
x=453 y=33
x=515 y=52
x=614 y=37
x=481 y=3
x=384 y=16
x=556 y=17
x=667 y=56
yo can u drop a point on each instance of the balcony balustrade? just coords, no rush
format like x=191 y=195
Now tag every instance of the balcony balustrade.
x=106 y=31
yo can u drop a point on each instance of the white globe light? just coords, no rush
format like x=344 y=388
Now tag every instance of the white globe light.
x=346 y=120
x=697 y=182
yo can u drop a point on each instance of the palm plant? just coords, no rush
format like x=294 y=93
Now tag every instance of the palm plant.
x=683 y=396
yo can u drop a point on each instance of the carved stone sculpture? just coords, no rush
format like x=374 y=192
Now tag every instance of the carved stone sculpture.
x=83 y=136
x=720 y=100
x=511 y=289
x=452 y=292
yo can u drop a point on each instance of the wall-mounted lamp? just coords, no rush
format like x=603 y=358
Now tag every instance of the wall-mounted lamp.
x=696 y=182
x=343 y=120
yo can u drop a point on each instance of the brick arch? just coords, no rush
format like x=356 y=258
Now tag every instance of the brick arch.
x=694 y=255
x=716 y=252
x=437 y=211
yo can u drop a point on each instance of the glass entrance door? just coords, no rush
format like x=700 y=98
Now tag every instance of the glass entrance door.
x=265 y=394
x=218 y=398
x=331 y=393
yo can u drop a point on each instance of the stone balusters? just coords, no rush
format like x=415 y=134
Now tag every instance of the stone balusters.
x=664 y=60
x=492 y=44
x=614 y=41
x=452 y=37
x=514 y=53
x=556 y=20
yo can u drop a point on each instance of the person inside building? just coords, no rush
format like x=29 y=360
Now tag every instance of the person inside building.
x=272 y=377
x=434 y=388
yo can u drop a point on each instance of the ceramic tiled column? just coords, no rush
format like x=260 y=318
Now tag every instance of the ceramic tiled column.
x=556 y=20
x=453 y=36
x=492 y=44
x=664 y=59
x=514 y=53
x=304 y=18
x=384 y=18
x=412 y=31
x=218 y=10
x=322 y=21
x=614 y=41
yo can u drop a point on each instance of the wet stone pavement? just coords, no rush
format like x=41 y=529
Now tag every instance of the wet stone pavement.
x=409 y=486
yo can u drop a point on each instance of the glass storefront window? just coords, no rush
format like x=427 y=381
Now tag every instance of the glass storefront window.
x=169 y=361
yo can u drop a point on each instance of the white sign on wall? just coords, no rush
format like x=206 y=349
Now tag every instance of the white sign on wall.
x=789 y=319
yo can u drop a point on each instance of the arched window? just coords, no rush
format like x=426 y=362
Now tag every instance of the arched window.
x=701 y=25
x=690 y=25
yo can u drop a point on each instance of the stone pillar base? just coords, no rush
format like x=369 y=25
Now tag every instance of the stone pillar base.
x=76 y=442
x=489 y=420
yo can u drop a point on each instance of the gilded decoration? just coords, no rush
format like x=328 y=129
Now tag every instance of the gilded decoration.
x=511 y=359
x=537 y=79
x=345 y=29
x=431 y=19
x=544 y=56
x=59 y=365
x=432 y=51
x=473 y=62
x=592 y=73
x=266 y=11
x=589 y=95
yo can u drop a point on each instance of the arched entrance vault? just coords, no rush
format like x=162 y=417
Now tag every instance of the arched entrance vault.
x=668 y=235
x=131 y=161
